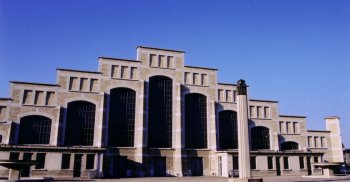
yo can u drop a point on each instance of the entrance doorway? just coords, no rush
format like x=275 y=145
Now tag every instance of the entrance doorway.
x=77 y=165
x=159 y=166
x=26 y=171
x=278 y=166
x=309 y=169
x=197 y=166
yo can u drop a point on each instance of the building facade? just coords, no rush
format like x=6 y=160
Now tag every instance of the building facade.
x=152 y=116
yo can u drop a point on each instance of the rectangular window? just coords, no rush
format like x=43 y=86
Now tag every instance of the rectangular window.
x=266 y=112
x=40 y=160
x=188 y=78
x=258 y=112
x=234 y=96
x=315 y=159
x=27 y=97
x=309 y=141
x=301 y=162
x=204 y=79
x=50 y=98
x=170 y=62
x=228 y=96
x=287 y=127
x=295 y=127
x=93 y=85
x=316 y=142
x=73 y=83
x=162 y=63
x=133 y=73
x=14 y=156
x=253 y=162
x=83 y=84
x=90 y=161
x=251 y=111
x=152 y=60
x=114 y=72
x=285 y=163
x=323 y=142
x=235 y=162
x=270 y=162
x=220 y=94
x=196 y=78
x=281 y=126
x=39 y=98
x=65 y=163
x=124 y=72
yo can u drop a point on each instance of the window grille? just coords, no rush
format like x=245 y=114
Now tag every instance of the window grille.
x=34 y=130
x=289 y=146
x=160 y=112
x=260 y=138
x=195 y=121
x=121 y=124
x=80 y=123
x=228 y=130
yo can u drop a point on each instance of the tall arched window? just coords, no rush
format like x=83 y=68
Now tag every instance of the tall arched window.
x=195 y=121
x=34 y=130
x=260 y=138
x=160 y=112
x=289 y=146
x=80 y=123
x=121 y=125
x=228 y=130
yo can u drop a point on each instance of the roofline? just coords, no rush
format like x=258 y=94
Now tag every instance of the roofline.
x=326 y=131
x=3 y=98
x=145 y=47
x=332 y=117
x=260 y=100
x=33 y=83
x=292 y=116
x=201 y=68
x=231 y=84
x=81 y=71
x=119 y=59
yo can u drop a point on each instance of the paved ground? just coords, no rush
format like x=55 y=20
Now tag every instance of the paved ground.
x=220 y=179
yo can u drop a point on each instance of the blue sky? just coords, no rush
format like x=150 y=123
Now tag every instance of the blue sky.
x=293 y=51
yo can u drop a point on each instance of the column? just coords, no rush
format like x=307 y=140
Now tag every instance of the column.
x=243 y=138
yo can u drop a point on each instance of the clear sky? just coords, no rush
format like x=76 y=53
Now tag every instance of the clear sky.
x=293 y=51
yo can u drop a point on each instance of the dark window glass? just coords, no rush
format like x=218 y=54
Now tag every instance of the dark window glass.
x=34 y=130
x=195 y=121
x=14 y=155
x=228 y=130
x=160 y=112
x=90 y=161
x=121 y=118
x=27 y=156
x=253 y=162
x=40 y=160
x=301 y=162
x=289 y=146
x=0 y=138
x=235 y=162
x=316 y=159
x=285 y=163
x=260 y=138
x=80 y=123
x=270 y=162
x=65 y=161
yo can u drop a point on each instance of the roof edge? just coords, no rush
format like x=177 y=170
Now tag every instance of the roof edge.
x=81 y=71
x=261 y=100
x=119 y=59
x=35 y=83
x=214 y=69
x=292 y=116
x=161 y=49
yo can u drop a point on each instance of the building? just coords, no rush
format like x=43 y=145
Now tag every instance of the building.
x=347 y=156
x=152 y=116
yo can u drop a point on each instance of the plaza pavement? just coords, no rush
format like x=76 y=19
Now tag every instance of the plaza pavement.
x=221 y=179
